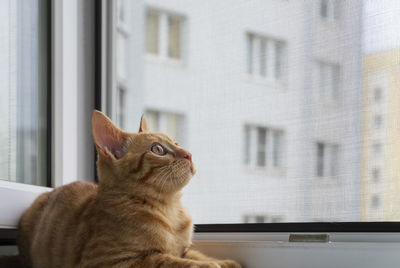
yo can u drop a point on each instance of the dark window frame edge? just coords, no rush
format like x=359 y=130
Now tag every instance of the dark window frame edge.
x=49 y=103
x=301 y=227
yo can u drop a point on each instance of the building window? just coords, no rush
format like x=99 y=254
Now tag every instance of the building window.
x=265 y=57
x=122 y=9
x=377 y=148
x=164 y=34
x=378 y=95
x=328 y=76
x=152 y=32
x=378 y=121
x=376 y=174
x=174 y=37
x=376 y=201
x=169 y=123
x=323 y=8
x=327 y=164
x=320 y=159
x=247 y=145
x=259 y=218
x=263 y=147
x=329 y=9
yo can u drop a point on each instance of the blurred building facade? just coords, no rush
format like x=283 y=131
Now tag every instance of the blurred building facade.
x=381 y=143
x=259 y=93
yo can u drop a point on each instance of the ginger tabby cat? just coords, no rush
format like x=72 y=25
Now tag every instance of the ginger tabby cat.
x=132 y=218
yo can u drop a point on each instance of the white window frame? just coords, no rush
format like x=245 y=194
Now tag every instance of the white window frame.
x=72 y=86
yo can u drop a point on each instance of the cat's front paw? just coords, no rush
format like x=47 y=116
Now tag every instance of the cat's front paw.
x=207 y=264
x=229 y=264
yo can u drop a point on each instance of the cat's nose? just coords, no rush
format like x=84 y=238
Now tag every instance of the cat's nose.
x=188 y=156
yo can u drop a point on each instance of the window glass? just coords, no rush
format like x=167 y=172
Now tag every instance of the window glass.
x=290 y=108
x=164 y=34
x=279 y=60
x=23 y=91
x=320 y=159
x=166 y=122
x=376 y=174
x=375 y=201
x=152 y=119
x=330 y=9
x=263 y=57
x=261 y=146
x=329 y=80
x=378 y=121
x=250 y=53
x=277 y=148
x=324 y=8
x=152 y=32
x=174 y=37
x=336 y=9
x=377 y=94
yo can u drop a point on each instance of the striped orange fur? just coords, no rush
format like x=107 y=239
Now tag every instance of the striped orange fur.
x=132 y=218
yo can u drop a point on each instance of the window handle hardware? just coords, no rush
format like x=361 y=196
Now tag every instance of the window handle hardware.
x=309 y=238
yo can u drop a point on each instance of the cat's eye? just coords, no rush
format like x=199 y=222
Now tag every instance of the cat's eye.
x=158 y=149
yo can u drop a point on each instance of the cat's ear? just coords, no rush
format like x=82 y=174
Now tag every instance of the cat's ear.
x=143 y=125
x=109 y=139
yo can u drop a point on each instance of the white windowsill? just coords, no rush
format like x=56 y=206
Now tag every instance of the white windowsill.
x=272 y=250
x=265 y=171
x=156 y=59
x=18 y=198
x=260 y=80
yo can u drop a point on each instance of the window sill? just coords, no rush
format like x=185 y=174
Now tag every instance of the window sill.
x=156 y=59
x=265 y=171
x=330 y=23
x=260 y=80
x=16 y=198
x=329 y=105
x=267 y=250
x=323 y=178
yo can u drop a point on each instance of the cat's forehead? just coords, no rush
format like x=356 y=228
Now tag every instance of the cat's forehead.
x=155 y=137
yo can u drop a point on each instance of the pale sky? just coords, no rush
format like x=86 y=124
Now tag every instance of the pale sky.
x=381 y=25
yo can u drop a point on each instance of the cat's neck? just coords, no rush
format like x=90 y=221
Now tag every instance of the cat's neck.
x=111 y=194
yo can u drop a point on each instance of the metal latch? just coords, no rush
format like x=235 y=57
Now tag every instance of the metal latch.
x=309 y=238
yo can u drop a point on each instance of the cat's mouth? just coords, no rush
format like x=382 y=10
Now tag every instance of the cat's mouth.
x=192 y=169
